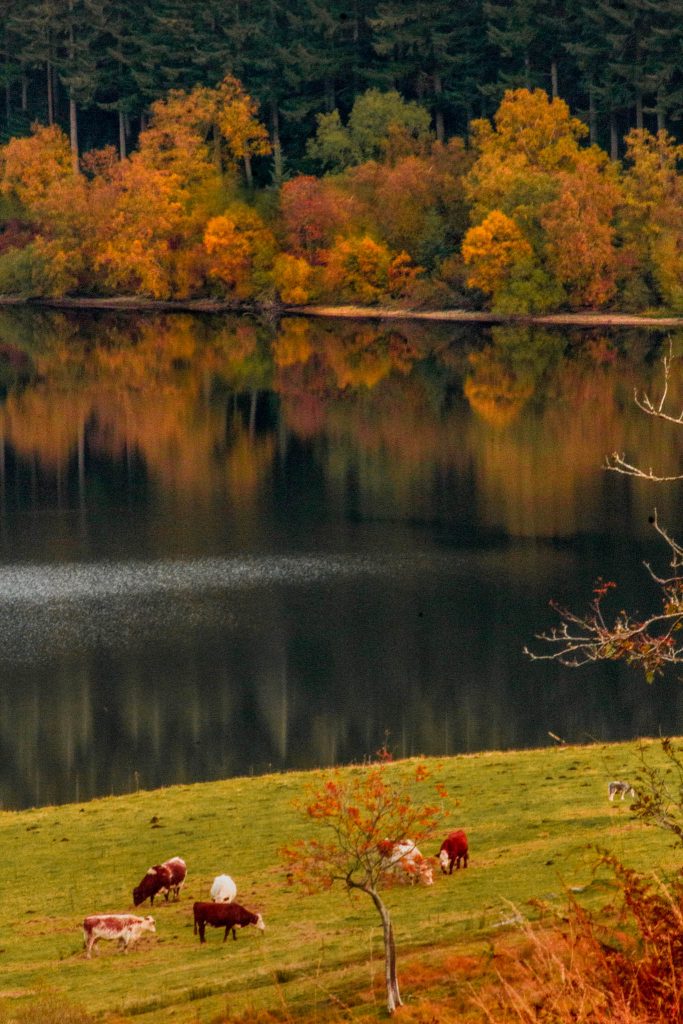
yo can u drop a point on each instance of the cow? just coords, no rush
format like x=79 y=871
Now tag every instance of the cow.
x=453 y=850
x=230 y=916
x=223 y=889
x=162 y=878
x=625 y=788
x=403 y=861
x=126 y=928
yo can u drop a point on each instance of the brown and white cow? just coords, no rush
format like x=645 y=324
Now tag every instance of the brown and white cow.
x=403 y=862
x=161 y=878
x=125 y=928
x=230 y=916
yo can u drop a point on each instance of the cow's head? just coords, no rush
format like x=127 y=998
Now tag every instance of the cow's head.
x=444 y=861
x=258 y=923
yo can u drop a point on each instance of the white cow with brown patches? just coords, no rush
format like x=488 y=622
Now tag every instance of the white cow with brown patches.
x=125 y=928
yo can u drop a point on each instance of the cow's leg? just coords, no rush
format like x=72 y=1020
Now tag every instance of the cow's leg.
x=89 y=946
x=202 y=930
x=234 y=933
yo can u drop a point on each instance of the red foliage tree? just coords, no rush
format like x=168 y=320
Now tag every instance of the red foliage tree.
x=356 y=813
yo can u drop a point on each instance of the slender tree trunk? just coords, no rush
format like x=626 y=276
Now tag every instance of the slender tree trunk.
x=613 y=137
x=248 y=172
x=122 y=135
x=438 y=114
x=277 y=145
x=73 y=113
x=527 y=71
x=393 y=995
x=24 y=93
x=554 y=90
x=50 y=95
x=592 y=117
x=329 y=95
x=8 y=88
x=639 y=110
x=73 y=134
x=55 y=93
x=661 y=114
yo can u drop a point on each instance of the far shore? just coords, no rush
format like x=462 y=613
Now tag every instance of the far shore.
x=140 y=304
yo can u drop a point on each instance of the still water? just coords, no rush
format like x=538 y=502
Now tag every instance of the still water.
x=229 y=547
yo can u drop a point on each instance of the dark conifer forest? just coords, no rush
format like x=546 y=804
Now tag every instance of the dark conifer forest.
x=95 y=66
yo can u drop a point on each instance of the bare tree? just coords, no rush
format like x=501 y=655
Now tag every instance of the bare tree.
x=651 y=642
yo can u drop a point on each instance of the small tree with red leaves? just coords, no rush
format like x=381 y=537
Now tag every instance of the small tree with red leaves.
x=355 y=812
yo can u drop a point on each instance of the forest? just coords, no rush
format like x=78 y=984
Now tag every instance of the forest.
x=520 y=157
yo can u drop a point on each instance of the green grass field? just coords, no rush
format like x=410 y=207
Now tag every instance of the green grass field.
x=533 y=819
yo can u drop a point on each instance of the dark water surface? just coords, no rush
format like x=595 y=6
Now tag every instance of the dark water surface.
x=227 y=548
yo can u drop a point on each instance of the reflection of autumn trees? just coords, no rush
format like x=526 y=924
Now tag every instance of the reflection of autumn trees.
x=209 y=407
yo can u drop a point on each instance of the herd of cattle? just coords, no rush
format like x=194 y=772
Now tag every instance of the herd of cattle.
x=401 y=861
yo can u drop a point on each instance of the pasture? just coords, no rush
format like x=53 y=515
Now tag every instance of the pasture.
x=533 y=819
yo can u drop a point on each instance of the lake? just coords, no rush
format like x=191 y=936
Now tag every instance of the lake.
x=230 y=547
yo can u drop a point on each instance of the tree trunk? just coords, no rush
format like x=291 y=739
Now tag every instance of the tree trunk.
x=73 y=133
x=393 y=994
x=24 y=93
x=122 y=135
x=639 y=110
x=527 y=71
x=50 y=96
x=661 y=114
x=329 y=95
x=613 y=137
x=73 y=114
x=592 y=117
x=248 y=172
x=554 y=90
x=438 y=113
x=276 y=143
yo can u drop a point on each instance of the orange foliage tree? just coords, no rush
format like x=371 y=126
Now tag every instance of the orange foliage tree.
x=580 y=230
x=354 y=813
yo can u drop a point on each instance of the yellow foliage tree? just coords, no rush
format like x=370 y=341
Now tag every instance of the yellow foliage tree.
x=32 y=166
x=240 y=250
x=492 y=249
x=652 y=217
x=293 y=278
x=244 y=134
x=359 y=268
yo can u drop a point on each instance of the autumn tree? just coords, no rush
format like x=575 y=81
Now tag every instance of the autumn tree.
x=651 y=219
x=354 y=813
x=380 y=124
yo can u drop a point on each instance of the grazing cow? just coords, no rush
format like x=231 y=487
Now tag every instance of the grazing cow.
x=404 y=862
x=126 y=928
x=453 y=850
x=230 y=916
x=625 y=788
x=223 y=889
x=162 y=878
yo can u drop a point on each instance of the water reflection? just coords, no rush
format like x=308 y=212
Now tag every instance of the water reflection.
x=226 y=547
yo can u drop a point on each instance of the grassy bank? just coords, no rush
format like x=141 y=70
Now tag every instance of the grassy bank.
x=533 y=818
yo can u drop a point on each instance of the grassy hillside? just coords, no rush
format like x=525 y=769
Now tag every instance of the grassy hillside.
x=533 y=819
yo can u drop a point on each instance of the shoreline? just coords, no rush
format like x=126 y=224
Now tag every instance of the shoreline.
x=136 y=304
